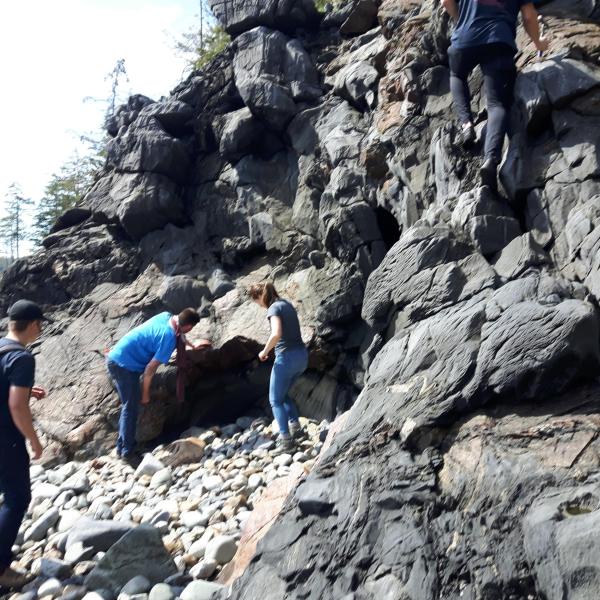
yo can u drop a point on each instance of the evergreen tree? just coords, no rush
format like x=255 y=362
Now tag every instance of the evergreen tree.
x=12 y=225
x=65 y=189
x=5 y=262
x=201 y=44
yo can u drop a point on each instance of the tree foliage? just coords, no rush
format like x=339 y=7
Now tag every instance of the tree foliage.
x=204 y=41
x=321 y=5
x=5 y=262
x=64 y=190
x=13 y=230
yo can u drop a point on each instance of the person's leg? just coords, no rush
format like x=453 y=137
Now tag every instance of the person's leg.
x=127 y=384
x=499 y=74
x=278 y=387
x=462 y=62
x=299 y=362
x=16 y=487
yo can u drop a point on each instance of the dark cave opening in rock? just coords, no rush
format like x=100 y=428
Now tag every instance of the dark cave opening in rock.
x=223 y=384
x=388 y=225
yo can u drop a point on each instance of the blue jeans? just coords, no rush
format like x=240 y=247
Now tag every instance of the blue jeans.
x=288 y=366
x=16 y=487
x=127 y=384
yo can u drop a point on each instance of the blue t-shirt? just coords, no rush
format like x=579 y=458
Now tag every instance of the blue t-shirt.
x=290 y=336
x=153 y=339
x=17 y=368
x=483 y=22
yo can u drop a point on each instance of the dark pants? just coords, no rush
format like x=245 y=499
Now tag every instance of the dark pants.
x=16 y=487
x=127 y=384
x=288 y=366
x=499 y=73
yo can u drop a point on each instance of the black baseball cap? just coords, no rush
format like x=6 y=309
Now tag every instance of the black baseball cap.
x=26 y=310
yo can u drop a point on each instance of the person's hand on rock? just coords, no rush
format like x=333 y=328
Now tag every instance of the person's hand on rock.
x=543 y=44
x=38 y=393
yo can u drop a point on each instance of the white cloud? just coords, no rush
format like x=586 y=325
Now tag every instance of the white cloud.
x=56 y=53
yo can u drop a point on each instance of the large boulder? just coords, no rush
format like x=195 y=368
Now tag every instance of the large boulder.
x=139 y=552
x=273 y=73
x=238 y=16
x=147 y=147
x=141 y=202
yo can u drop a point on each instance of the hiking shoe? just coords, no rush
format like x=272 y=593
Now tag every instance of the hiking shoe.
x=298 y=433
x=13 y=580
x=466 y=135
x=284 y=445
x=133 y=459
x=488 y=174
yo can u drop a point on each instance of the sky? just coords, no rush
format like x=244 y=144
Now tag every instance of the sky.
x=54 y=54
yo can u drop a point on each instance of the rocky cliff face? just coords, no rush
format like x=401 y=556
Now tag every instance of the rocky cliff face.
x=319 y=152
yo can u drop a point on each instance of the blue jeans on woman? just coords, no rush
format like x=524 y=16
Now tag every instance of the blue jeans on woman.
x=16 y=487
x=289 y=365
x=127 y=384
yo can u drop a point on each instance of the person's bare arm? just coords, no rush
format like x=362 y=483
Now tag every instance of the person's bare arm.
x=276 y=331
x=149 y=372
x=18 y=404
x=532 y=26
x=451 y=7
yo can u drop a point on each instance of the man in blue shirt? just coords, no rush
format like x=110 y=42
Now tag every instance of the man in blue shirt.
x=485 y=35
x=17 y=371
x=139 y=352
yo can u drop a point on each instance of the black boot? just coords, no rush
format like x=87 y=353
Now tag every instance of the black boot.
x=488 y=174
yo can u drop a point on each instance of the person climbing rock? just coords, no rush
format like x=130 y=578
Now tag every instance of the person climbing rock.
x=140 y=352
x=17 y=371
x=485 y=35
x=291 y=360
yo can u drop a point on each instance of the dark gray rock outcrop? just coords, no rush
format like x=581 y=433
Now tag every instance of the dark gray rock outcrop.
x=238 y=16
x=273 y=73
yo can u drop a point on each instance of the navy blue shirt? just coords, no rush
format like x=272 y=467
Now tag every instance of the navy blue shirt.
x=17 y=368
x=290 y=336
x=483 y=22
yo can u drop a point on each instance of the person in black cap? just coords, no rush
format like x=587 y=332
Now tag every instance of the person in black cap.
x=485 y=35
x=17 y=370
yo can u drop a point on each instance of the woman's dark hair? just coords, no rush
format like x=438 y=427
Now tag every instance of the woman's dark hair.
x=188 y=316
x=264 y=292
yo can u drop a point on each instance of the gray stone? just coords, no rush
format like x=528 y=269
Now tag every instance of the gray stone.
x=73 y=592
x=361 y=18
x=137 y=585
x=221 y=549
x=179 y=292
x=271 y=72
x=139 y=552
x=54 y=568
x=201 y=590
x=241 y=133
x=354 y=81
x=238 y=16
x=77 y=553
x=99 y=535
x=204 y=569
x=39 y=529
x=142 y=202
x=51 y=588
x=161 y=591
x=520 y=254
